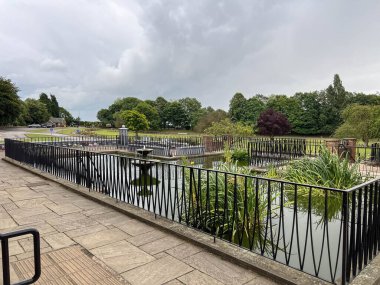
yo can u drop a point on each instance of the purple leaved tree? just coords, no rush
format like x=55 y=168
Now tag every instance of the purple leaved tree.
x=272 y=123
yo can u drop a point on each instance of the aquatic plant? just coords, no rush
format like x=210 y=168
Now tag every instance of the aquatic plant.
x=240 y=156
x=230 y=204
x=326 y=170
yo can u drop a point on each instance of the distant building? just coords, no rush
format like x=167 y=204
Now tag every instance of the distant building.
x=57 y=122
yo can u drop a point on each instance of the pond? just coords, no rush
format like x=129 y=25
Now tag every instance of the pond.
x=290 y=225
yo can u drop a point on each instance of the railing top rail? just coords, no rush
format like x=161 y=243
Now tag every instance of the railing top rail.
x=364 y=184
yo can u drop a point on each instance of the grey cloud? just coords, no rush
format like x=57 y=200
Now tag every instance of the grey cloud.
x=49 y=64
x=89 y=53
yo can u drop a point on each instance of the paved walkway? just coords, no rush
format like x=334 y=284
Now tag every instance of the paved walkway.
x=114 y=247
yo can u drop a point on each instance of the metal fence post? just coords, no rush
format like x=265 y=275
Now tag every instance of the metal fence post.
x=77 y=173
x=5 y=261
x=345 y=218
x=88 y=172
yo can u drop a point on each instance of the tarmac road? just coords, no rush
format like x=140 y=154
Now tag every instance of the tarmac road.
x=19 y=132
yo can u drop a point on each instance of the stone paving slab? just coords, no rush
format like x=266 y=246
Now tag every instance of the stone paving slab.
x=157 y=272
x=184 y=250
x=132 y=250
x=101 y=238
x=162 y=244
x=219 y=269
x=196 y=277
x=66 y=266
x=122 y=256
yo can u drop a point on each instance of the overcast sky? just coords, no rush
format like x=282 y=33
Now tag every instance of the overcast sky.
x=90 y=52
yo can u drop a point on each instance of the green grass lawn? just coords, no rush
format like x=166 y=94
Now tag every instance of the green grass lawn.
x=40 y=130
x=67 y=131
x=165 y=133
x=114 y=132
x=106 y=132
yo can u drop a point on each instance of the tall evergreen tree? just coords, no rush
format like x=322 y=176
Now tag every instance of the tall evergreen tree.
x=54 y=107
x=237 y=105
x=44 y=98
x=333 y=100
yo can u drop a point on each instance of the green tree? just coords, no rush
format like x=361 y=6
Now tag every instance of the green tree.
x=192 y=108
x=307 y=116
x=44 y=98
x=63 y=113
x=134 y=120
x=10 y=103
x=105 y=116
x=364 y=99
x=227 y=127
x=151 y=102
x=54 y=107
x=37 y=113
x=333 y=100
x=175 y=115
x=123 y=104
x=51 y=104
x=237 y=107
x=150 y=113
x=284 y=104
x=209 y=117
x=246 y=110
x=21 y=119
x=361 y=122
x=252 y=109
x=161 y=105
x=336 y=93
x=77 y=121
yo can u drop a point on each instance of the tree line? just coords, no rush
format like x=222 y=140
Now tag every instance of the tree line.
x=14 y=111
x=326 y=112
x=304 y=113
x=308 y=113
x=186 y=113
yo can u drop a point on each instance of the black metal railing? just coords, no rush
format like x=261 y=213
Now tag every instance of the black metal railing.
x=275 y=152
x=162 y=145
x=4 y=238
x=80 y=142
x=279 y=152
x=182 y=146
x=329 y=233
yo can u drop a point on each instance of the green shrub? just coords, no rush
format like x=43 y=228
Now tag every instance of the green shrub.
x=240 y=155
x=327 y=169
x=231 y=206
